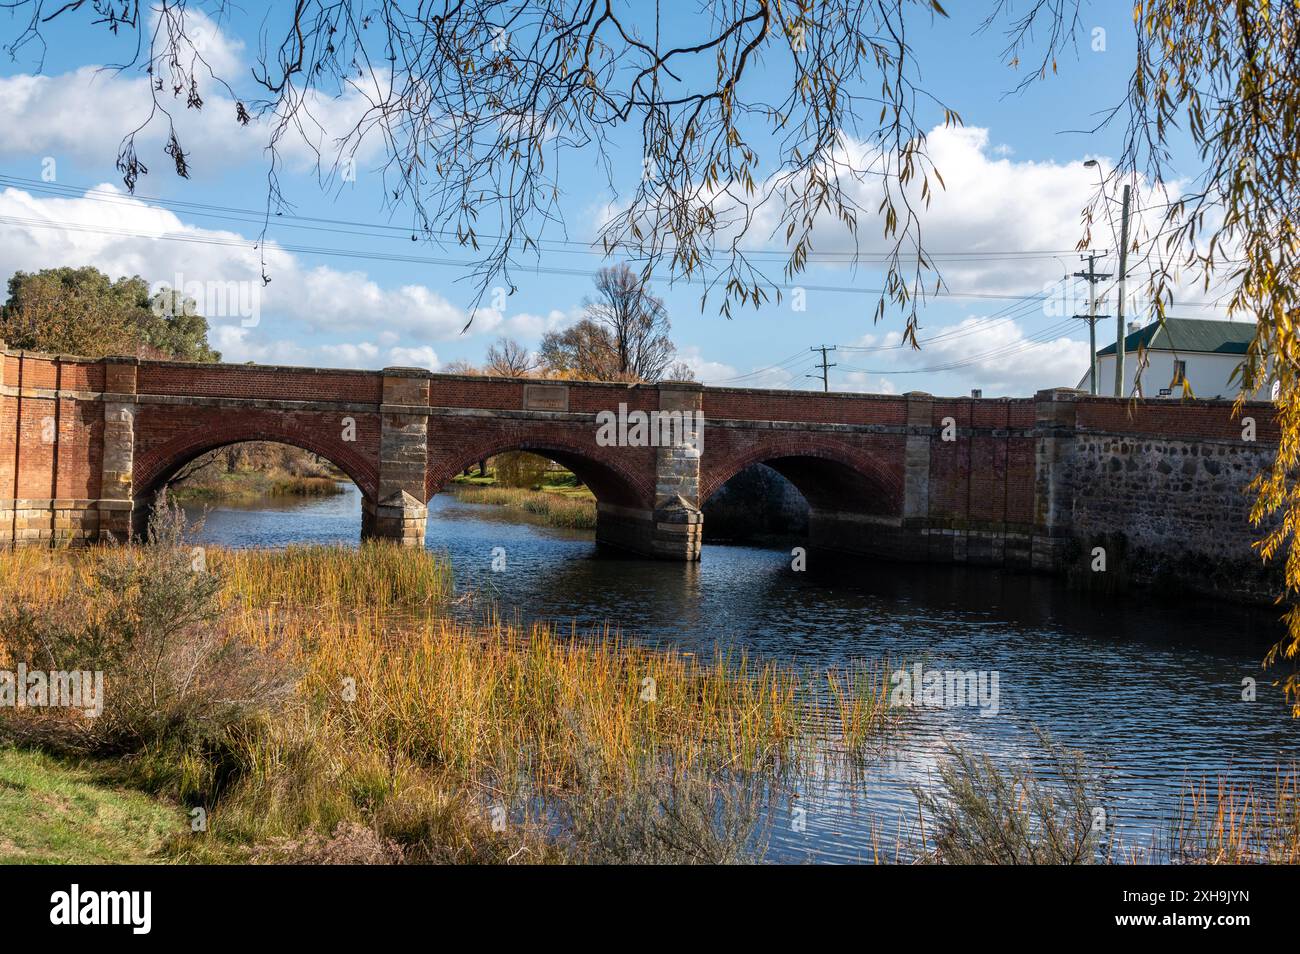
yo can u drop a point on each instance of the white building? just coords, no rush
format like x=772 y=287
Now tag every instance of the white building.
x=1182 y=357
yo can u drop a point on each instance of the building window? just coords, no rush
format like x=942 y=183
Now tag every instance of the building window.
x=1180 y=373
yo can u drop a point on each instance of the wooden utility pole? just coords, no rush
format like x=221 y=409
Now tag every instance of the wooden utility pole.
x=1119 y=307
x=825 y=367
x=1092 y=276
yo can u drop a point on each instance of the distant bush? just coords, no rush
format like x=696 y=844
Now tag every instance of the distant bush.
x=520 y=469
x=666 y=817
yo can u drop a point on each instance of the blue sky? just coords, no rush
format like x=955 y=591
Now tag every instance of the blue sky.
x=1015 y=184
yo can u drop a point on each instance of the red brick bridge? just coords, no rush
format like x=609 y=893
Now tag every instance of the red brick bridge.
x=85 y=444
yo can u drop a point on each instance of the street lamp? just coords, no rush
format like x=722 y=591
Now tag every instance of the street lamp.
x=1105 y=199
x=1123 y=274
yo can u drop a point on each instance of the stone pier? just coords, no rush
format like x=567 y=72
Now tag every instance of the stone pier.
x=398 y=511
x=673 y=528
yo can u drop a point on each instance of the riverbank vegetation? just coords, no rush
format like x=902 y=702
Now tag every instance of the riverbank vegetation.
x=1056 y=813
x=531 y=484
x=256 y=469
x=323 y=704
x=320 y=704
x=54 y=812
x=556 y=509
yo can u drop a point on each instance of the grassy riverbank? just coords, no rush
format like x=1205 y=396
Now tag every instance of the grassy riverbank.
x=55 y=812
x=558 y=510
x=558 y=499
x=317 y=704
x=251 y=486
x=257 y=469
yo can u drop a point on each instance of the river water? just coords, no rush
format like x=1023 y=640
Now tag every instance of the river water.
x=1150 y=691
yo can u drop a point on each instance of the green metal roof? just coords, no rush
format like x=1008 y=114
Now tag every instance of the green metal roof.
x=1186 y=334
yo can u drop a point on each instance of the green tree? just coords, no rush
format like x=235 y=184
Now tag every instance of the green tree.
x=74 y=311
x=82 y=311
x=175 y=329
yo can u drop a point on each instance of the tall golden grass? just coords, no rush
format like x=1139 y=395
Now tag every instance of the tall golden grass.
x=558 y=510
x=408 y=725
x=252 y=484
x=377 y=576
x=1231 y=823
x=408 y=721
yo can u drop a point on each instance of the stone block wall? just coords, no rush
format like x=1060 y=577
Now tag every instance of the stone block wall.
x=1170 y=513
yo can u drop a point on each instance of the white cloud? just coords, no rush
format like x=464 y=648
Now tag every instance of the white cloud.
x=528 y=325
x=865 y=383
x=351 y=355
x=238 y=345
x=424 y=357
x=326 y=299
x=726 y=375
x=704 y=370
x=990 y=203
x=996 y=356
x=224 y=54
x=41 y=240
x=84 y=114
x=125 y=236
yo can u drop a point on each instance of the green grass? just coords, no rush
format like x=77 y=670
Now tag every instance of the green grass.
x=55 y=813
x=558 y=499
x=556 y=509
x=562 y=482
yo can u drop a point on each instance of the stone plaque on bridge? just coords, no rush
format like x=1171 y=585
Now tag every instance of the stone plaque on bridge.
x=546 y=397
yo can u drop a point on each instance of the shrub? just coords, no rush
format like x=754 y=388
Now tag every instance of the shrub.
x=148 y=618
x=350 y=844
x=984 y=815
x=661 y=812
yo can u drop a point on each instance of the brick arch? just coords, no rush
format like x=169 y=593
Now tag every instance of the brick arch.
x=611 y=481
x=831 y=474
x=159 y=463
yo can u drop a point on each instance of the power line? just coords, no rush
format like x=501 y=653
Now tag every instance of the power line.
x=371 y=230
x=798 y=357
x=1009 y=312
x=400 y=233
x=1046 y=336
x=391 y=232
x=441 y=262
x=967 y=328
